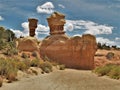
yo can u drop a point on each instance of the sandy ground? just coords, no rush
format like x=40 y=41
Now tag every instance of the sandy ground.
x=68 y=79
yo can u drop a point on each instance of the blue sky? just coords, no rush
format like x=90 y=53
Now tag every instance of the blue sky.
x=98 y=17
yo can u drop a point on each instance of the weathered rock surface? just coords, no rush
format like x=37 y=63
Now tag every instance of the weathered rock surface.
x=32 y=26
x=29 y=44
x=76 y=52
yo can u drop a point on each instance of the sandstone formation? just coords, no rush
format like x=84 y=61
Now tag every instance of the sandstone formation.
x=32 y=26
x=56 y=23
x=29 y=44
x=75 y=52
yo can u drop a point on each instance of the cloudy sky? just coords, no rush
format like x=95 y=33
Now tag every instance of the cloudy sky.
x=98 y=17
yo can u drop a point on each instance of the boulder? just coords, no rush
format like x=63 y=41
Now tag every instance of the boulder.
x=29 y=44
x=75 y=52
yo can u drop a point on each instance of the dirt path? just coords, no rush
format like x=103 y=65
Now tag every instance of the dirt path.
x=65 y=80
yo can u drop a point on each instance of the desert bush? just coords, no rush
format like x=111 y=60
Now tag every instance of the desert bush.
x=8 y=69
x=22 y=66
x=2 y=44
x=14 y=51
x=24 y=55
x=8 y=48
x=27 y=62
x=11 y=74
x=46 y=66
x=115 y=73
x=62 y=67
x=104 y=70
x=111 y=70
x=110 y=55
x=35 y=62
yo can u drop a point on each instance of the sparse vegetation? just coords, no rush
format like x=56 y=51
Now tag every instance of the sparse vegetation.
x=115 y=73
x=46 y=66
x=21 y=65
x=8 y=69
x=35 y=63
x=111 y=70
x=24 y=55
x=62 y=67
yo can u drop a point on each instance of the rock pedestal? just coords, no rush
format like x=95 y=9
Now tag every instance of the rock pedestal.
x=75 y=52
x=56 y=23
x=28 y=44
x=32 y=26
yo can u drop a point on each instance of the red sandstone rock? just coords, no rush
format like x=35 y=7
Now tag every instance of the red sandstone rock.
x=32 y=26
x=29 y=44
x=56 y=23
x=76 y=52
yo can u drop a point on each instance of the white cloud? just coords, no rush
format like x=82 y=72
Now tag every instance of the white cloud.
x=25 y=27
x=25 y=32
x=117 y=38
x=47 y=8
x=105 y=41
x=89 y=27
x=77 y=35
x=60 y=5
x=1 y=18
x=68 y=26
x=41 y=29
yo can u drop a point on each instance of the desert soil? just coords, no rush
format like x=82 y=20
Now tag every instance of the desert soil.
x=68 y=79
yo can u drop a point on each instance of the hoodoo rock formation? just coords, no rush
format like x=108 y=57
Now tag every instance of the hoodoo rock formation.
x=56 y=23
x=32 y=26
x=75 y=52
x=29 y=43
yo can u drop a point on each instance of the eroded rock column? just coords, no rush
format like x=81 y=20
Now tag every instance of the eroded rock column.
x=56 y=23
x=32 y=26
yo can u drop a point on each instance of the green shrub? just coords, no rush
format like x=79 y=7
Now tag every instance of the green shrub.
x=104 y=70
x=27 y=63
x=46 y=66
x=8 y=68
x=35 y=63
x=11 y=74
x=115 y=73
x=112 y=70
x=22 y=66
x=62 y=67
x=24 y=55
